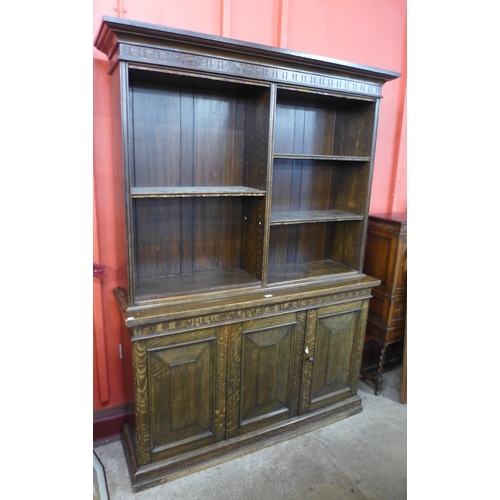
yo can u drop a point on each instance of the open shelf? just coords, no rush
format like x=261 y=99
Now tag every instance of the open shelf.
x=311 y=216
x=198 y=182
x=311 y=270
x=321 y=157
x=199 y=243
x=322 y=248
x=176 y=192
x=192 y=283
x=197 y=136
x=239 y=183
x=311 y=190
x=314 y=125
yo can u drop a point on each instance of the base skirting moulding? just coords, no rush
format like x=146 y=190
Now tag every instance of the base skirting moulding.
x=151 y=475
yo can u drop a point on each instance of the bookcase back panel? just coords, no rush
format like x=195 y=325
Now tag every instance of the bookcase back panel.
x=187 y=138
x=354 y=129
x=345 y=240
x=349 y=187
x=301 y=184
x=309 y=185
x=187 y=235
x=257 y=129
x=297 y=244
x=320 y=249
x=316 y=124
x=303 y=128
x=254 y=210
x=192 y=132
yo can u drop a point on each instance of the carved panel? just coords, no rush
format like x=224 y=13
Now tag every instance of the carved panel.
x=266 y=355
x=182 y=387
x=265 y=374
x=333 y=345
x=333 y=353
x=388 y=227
x=180 y=393
x=220 y=65
x=379 y=250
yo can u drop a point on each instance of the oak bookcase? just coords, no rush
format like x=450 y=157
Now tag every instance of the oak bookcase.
x=243 y=176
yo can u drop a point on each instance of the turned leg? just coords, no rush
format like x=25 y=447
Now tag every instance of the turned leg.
x=378 y=379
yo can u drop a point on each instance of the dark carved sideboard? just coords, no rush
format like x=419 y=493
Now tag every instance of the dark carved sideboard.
x=386 y=260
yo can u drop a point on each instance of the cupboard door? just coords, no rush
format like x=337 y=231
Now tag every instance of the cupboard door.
x=180 y=395
x=264 y=371
x=333 y=347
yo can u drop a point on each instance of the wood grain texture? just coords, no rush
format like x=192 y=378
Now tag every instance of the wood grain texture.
x=386 y=258
x=359 y=340
x=185 y=375
x=189 y=192
x=118 y=82
x=264 y=372
x=143 y=433
x=355 y=126
x=193 y=283
x=333 y=345
x=311 y=216
x=246 y=178
x=170 y=469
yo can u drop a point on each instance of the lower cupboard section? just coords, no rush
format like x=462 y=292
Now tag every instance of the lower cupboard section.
x=207 y=395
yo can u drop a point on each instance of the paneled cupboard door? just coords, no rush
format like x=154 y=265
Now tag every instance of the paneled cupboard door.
x=264 y=371
x=333 y=348
x=180 y=392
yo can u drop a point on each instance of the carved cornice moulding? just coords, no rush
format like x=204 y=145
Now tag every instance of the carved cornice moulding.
x=148 y=42
x=220 y=65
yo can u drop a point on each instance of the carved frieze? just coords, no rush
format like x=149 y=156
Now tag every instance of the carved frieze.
x=388 y=227
x=225 y=317
x=220 y=65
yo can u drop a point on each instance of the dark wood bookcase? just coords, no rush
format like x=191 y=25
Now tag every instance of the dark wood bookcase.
x=243 y=176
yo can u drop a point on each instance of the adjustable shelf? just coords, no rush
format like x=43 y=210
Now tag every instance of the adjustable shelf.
x=193 y=283
x=189 y=192
x=321 y=157
x=307 y=272
x=311 y=216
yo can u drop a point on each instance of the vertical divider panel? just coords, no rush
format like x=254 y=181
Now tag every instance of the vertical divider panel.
x=128 y=155
x=369 y=185
x=258 y=161
x=269 y=181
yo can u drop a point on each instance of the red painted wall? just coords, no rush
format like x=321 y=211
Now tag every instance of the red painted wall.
x=370 y=32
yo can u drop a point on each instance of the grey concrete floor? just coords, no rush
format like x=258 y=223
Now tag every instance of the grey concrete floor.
x=361 y=458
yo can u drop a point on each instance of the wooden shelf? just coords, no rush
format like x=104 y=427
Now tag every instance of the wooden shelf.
x=183 y=284
x=321 y=157
x=311 y=216
x=295 y=272
x=190 y=191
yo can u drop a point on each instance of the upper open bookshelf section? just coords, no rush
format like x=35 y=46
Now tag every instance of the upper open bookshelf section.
x=316 y=126
x=239 y=166
x=193 y=136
